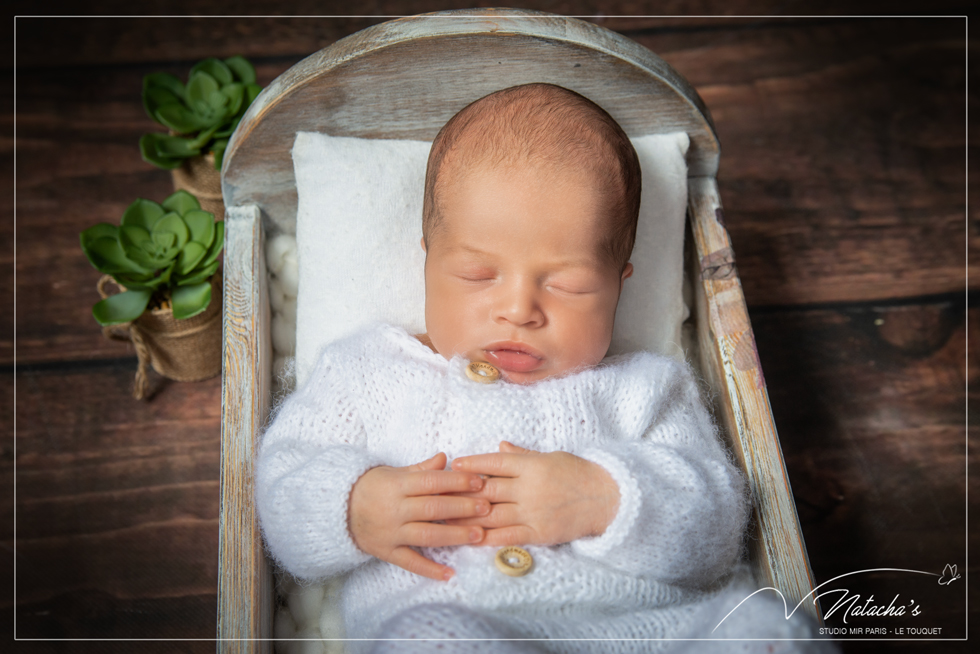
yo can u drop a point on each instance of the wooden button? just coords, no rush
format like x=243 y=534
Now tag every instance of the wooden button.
x=513 y=561
x=482 y=372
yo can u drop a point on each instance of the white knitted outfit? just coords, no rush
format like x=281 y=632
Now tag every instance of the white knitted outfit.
x=383 y=398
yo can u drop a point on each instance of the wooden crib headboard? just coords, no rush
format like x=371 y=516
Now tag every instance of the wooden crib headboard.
x=405 y=79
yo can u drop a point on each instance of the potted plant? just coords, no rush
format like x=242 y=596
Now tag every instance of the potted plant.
x=164 y=258
x=201 y=116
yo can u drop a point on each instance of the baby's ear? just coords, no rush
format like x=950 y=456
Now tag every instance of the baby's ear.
x=627 y=272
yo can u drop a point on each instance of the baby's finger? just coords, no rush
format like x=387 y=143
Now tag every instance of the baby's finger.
x=434 y=482
x=428 y=534
x=428 y=508
x=509 y=448
x=409 y=559
x=501 y=515
x=496 y=489
x=495 y=464
x=513 y=535
x=437 y=462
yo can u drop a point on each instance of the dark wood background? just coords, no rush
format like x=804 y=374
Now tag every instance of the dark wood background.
x=844 y=180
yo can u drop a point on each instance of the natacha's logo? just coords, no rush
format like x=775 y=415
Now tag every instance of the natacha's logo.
x=949 y=575
x=851 y=605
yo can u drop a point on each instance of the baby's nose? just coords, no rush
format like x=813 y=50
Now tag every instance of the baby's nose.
x=518 y=303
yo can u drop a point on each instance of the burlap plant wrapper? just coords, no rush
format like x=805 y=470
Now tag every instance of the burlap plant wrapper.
x=182 y=350
x=198 y=177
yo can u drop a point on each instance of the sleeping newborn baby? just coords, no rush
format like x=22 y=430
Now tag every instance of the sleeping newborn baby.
x=585 y=496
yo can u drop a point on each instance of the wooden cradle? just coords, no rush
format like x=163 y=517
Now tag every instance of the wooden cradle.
x=404 y=79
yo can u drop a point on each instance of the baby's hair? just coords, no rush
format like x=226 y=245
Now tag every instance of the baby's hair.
x=535 y=124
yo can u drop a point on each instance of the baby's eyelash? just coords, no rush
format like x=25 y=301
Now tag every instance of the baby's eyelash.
x=570 y=291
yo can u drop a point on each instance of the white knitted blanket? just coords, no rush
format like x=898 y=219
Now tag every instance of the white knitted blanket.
x=381 y=397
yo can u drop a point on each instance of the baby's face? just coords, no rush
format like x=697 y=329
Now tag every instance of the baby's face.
x=514 y=275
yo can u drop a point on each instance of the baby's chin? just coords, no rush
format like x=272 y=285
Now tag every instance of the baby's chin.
x=533 y=377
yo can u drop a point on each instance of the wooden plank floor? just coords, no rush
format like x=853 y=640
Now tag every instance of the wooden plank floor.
x=844 y=181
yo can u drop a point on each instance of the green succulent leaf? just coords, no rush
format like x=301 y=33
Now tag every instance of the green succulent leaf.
x=164 y=81
x=122 y=307
x=190 y=255
x=181 y=119
x=201 y=225
x=216 y=68
x=199 y=275
x=148 y=149
x=199 y=88
x=215 y=249
x=164 y=240
x=203 y=137
x=134 y=280
x=157 y=89
x=235 y=93
x=181 y=202
x=208 y=107
x=163 y=279
x=132 y=239
x=251 y=92
x=108 y=257
x=101 y=230
x=133 y=236
x=172 y=223
x=176 y=147
x=218 y=103
x=142 y=213
x=152 y=281
x=227 y=131
x=191 y=300
x=242 y=68
x=156 y=97
x=218 y=148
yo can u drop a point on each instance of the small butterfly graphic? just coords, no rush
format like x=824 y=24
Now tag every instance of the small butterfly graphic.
x=949 y=575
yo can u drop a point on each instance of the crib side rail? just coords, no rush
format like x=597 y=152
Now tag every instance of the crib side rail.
x=730 y=363
x=245 y=592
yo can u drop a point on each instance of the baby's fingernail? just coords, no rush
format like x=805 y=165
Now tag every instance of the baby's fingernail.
x=456 y=464
x=447 y=575
x=476 y=534
x=482 y=508
x=476 y=483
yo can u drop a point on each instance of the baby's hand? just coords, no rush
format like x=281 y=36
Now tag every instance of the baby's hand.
x=539 y=498
x=393 y=509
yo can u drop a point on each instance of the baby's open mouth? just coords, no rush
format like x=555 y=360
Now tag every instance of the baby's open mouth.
x=513 y=357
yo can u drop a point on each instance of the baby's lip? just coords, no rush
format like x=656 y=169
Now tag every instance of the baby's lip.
x=510 y=356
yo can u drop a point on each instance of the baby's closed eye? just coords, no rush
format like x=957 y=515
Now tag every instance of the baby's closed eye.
x=476 y=274
x=573 y=285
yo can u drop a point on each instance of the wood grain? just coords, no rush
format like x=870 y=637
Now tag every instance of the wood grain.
x=871 y=408
x=117 y=505
x=101 y=41
x=730 y=364
x=245 y=591
x=870 y=196
x=374 y=85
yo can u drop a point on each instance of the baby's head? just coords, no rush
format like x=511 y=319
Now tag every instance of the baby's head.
x=531 y=200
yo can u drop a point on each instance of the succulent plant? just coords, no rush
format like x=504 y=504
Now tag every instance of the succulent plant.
x=201 y=115
x=169 y=250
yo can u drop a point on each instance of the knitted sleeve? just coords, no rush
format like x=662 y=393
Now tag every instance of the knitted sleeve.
x=683 y=505
x=308 y=461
